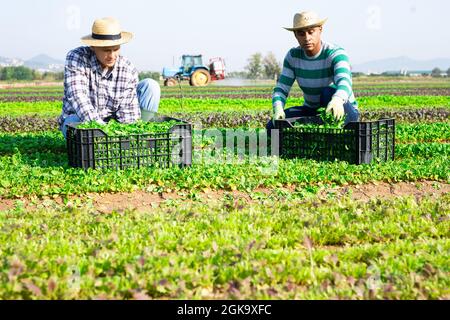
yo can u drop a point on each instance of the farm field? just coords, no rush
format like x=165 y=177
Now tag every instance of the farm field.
x=234 y=230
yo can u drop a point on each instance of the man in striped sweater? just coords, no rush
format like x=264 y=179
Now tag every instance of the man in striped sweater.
x=322 y=71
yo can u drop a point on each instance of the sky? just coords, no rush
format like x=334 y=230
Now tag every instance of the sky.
x=232 y=29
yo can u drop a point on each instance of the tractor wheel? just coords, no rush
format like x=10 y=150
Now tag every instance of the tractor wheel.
x=170 y=82
x=200 y=78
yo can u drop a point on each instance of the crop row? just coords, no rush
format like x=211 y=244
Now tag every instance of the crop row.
x=295 y=94
x=224 y=85
x=406 y=133
x=234 y=95
x=365 y=103
x=341 y=249
x=188 y=105
x=264 y=89
x=37 y=122
x=418 y=145
x=47 y=173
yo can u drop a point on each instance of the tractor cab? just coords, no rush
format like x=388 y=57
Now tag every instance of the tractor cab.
x=189 y=62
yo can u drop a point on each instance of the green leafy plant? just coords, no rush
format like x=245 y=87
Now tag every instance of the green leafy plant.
x=115 y=128
x=220 y=104
x=329 y=120
x=288 y=242
x=380 y=249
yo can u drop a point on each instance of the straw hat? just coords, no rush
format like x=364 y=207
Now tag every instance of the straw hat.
x=306 y=19
x=106 y=32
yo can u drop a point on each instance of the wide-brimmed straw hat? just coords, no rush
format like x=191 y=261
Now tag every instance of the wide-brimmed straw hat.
x=106 y=32
x=306 y=19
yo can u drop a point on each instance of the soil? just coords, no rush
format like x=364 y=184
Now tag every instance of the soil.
x=383 y=190
x=143 y=201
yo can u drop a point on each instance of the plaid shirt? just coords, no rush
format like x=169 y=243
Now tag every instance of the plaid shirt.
x=94 y=94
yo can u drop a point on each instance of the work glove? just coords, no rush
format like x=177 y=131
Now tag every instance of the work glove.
x=278 y=113
x=336 y=107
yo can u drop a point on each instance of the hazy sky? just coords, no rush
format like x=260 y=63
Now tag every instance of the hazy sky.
x=233 y=29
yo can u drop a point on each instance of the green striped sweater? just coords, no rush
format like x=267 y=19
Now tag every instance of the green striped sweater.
x=330 y=66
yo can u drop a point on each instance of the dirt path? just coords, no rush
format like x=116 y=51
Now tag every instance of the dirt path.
x=143 y=201
x=384 y=190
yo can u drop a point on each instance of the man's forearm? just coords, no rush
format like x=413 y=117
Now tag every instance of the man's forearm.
x=129 y=110
x=84 y=109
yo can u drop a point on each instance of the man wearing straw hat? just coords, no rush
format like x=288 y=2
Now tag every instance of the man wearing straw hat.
x=100 y=84
x=322 y=71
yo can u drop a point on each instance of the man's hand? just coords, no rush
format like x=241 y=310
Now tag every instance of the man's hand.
x=278 y=113
x=336 y=107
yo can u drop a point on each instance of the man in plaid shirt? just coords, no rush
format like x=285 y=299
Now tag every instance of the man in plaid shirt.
x=100 y=84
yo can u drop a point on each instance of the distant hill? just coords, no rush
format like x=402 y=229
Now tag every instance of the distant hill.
x=45 y=63
x=401 y=63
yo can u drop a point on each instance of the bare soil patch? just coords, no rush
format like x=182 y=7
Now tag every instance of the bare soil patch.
x=144 y=201
x=373 y=190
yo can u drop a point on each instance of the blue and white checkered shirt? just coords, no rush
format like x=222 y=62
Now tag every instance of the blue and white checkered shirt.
x=94 y=94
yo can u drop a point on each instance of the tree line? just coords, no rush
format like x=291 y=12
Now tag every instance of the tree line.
x=260 y=67
x=22 y=73
x=27 y=74
x=436 y=72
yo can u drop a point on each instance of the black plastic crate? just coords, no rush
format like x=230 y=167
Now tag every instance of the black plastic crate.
x=356 y=143
x=93 y=148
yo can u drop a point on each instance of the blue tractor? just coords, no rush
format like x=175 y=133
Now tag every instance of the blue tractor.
x=195 y=71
